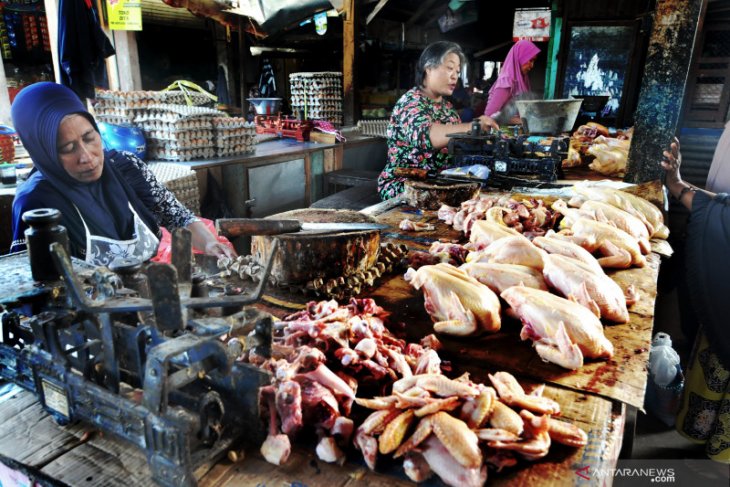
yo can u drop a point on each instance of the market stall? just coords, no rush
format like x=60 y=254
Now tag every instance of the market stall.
x=597 y=397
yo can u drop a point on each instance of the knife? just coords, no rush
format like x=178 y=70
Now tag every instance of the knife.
x=234 y=227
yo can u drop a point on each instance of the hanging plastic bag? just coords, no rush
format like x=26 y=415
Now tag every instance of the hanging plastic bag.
x=666 y=381
x=187 y=88
x=164 y=251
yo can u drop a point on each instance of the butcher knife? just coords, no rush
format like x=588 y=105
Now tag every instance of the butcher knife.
x=234 y=227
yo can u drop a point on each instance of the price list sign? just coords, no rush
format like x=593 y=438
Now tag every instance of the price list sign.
x=124 y=14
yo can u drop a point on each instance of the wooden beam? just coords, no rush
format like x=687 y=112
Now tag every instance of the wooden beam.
x=375 y=11
x=349 y=49
x=425 y=6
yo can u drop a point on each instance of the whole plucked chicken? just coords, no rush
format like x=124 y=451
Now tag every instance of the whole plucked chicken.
x=594 y=290
x=458 y=304
x=563 y=331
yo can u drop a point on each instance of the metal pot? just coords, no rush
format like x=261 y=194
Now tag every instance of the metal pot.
x=548 y=116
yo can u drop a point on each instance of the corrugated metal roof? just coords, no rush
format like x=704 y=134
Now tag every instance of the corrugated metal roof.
x=157 y=12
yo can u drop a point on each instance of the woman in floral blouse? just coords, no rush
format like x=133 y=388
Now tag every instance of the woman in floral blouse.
x=422 y=118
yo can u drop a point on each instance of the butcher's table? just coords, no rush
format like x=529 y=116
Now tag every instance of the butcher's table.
x=602 y=398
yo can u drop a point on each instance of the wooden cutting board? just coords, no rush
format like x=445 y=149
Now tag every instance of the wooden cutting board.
x=304 y=255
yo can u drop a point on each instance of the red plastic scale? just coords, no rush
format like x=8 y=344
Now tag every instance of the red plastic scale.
x=283 y=126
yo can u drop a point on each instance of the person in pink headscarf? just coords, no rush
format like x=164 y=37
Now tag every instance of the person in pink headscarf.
x=513 y=82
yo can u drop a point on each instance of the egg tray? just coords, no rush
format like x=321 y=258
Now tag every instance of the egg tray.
x=180 y=135
x=143 y=98
x=181 y=154
x=181 y=126
x=175 y=112
x=226 y=123
x=114 y=119
x=115 y=111
x=179 y=144
x=235 y=133
x=235 y=151
x=234 y=140
x=317 y=101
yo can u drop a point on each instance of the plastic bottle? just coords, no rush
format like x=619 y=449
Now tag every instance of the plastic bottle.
x=663 y=360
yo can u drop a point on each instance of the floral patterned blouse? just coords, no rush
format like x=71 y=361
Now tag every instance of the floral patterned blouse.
x=409 y=144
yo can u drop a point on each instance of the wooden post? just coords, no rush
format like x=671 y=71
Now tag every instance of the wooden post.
x=51 y=7
x=4 y=97
x=663 y=85
x=243 y=55
x=127 y=60
x=349 y=39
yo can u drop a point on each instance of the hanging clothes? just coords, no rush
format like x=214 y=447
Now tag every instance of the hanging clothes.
x=82 y=47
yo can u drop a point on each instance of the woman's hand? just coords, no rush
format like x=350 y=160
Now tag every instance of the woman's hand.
x=487 y=122
x=671 y=162
x=218 y=249
x=204 y=240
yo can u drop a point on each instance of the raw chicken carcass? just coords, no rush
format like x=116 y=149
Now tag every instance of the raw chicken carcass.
x=458 y=303
x=499 y=277
x=603 y=212
x=618 y=247
x=554 y=245
x=563 y=331
x=483 y=233
x=596 y=291
x=510 y=250
x=639 y=207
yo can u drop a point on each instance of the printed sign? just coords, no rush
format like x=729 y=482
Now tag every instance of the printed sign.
x=532 y=24
x=124 y=14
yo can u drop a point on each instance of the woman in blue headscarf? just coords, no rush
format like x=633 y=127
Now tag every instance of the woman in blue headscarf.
x=110 y=202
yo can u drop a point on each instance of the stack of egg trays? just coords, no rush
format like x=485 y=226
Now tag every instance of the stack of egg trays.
x=233 y=136
x=177 y=132
x=116 y=107
x=319 y=94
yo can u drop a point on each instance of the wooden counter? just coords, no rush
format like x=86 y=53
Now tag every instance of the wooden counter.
x=79 y=455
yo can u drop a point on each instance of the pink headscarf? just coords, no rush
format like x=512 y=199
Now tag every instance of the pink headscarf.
x=511 y=74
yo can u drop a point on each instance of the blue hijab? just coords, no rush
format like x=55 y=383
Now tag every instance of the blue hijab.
x=37 y=113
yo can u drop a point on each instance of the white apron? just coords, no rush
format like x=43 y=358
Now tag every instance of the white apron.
x=103 y=250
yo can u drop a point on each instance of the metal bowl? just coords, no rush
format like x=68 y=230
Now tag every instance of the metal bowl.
x=266 y=106
x=548 y=116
